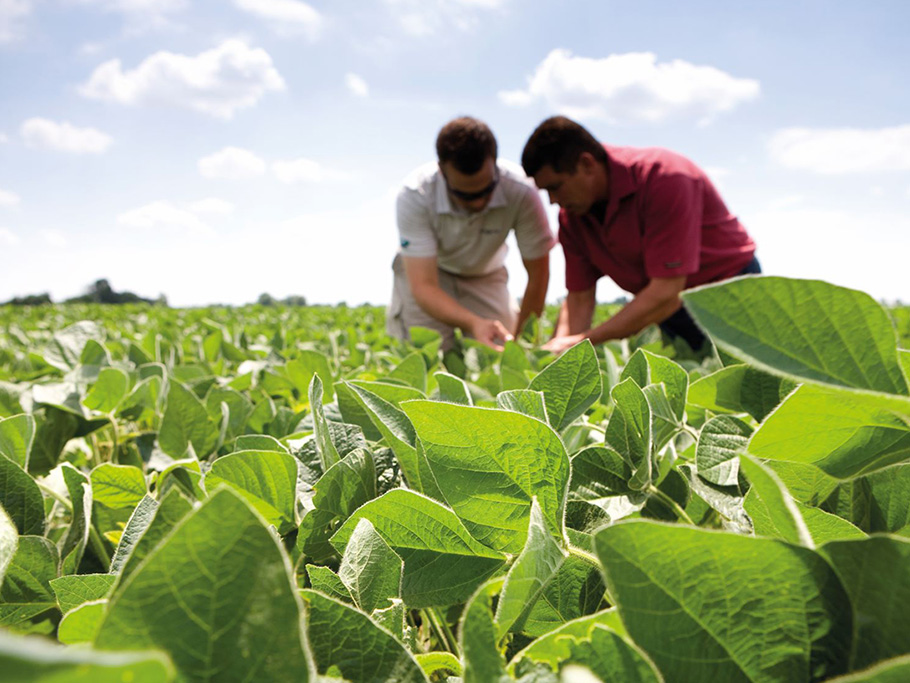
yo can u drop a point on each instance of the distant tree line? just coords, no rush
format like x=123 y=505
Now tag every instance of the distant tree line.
x=100 y=292
x=293 y=300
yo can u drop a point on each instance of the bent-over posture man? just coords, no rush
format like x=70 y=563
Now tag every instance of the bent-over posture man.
x=648 y=218
x=453 y=219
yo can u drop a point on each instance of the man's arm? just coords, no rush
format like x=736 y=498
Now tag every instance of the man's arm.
x=655 y=303
x=576 y=313
x=535 y=291
x=423 y=278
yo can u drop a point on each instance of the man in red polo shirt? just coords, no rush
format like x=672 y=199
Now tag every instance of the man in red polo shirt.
x=647 y=217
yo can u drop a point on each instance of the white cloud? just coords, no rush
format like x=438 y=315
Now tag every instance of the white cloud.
x=217 y=82
x=212 y=206
x=54 y=239
x=12 y=13
x=286 y=15
x=356 y=85
x=843 y=150
x=163 y=215
x=231 y=163
x=64 y=137
x=632 y=87
x=424 y=18
x=8 y=198
x=3 y=139
x=8 y=237
x=304 y=171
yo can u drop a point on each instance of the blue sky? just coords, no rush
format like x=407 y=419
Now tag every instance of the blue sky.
x=214 y=150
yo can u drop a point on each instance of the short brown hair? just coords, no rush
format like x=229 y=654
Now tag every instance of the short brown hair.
x=559 y=142
x=466 y=143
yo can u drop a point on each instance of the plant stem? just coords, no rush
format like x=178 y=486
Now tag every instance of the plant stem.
x=443 y=632
x=98 y=546
x=670 y=503
x=56 y=496
x=584 y=556
x=115 y=443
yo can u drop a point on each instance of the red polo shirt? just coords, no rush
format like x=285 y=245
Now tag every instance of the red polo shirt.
x=664 y=218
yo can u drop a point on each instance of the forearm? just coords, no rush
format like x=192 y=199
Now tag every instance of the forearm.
x=576 y=313
x=531 y=302
x=437 y=303
x=635 y=316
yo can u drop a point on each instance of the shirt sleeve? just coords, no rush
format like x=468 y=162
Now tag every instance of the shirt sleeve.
x=671 y=231
x=532 y=228
x=581 y=273
x=415 y=229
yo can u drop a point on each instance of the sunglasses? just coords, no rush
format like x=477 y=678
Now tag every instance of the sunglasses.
x=472 y=196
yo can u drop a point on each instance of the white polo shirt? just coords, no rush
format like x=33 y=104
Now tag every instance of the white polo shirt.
x=466 y=243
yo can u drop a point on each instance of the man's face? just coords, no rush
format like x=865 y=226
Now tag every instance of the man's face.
x=471 y=192
x=575 y=192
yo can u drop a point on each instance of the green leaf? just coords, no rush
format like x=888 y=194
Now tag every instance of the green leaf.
x=76 y=538
x=308 y=363
x=728 y=607
x=889 y=492
x=108 y=392
x=9 y=542
x=769 y=501
x=844 y=433
x=611 y=658
x=77 y=589
x=66 y=347
x=433 y=662
x=721 y=439
x=805 y=329
x=347 y=642
x=524 y=401
x=571 y=384
x=489 y=464
x=267 y=479
x=740 y=389
x=326 y=581
x=554 y=647
x=325 y=446
x=398 y=432
x=478 y=637
x=26 y=592
x=598 y=472
x=892 y=671
x=217 y=595
x=825 y=527
x=806 y=483
x=412 y=371
x=82 y=623
x=117 y=486
x=186 y=422
x=55 y=429
x=576 y=589
x=876 y=573
x=21 y=498
x=538 y=562
x=629 y=431
x=647 y=368
x=37 y=660
x=443 y=564
x=370 y=568
x=17 y=434
x=146 y=529
x=453 y=389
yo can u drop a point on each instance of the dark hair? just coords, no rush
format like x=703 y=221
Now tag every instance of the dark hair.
x=559 y=142
x=466 y=143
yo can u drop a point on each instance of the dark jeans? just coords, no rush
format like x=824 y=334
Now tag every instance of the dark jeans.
x=680 y=324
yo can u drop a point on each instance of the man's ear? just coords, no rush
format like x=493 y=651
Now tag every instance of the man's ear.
x=586 y=162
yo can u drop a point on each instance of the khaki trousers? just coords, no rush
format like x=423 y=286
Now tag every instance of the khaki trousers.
x=485 y=295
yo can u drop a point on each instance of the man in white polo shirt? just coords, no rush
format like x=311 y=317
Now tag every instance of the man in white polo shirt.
x=453 y=220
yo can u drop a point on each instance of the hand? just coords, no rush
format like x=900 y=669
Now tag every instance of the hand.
x=491 y=333
x=559 y=344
